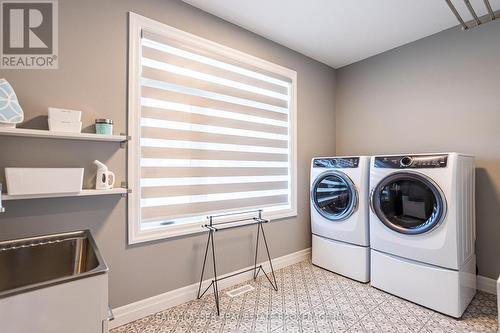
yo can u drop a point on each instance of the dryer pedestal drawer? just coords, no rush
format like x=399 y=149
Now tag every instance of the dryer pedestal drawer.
x=345 y=259
x=444 y=290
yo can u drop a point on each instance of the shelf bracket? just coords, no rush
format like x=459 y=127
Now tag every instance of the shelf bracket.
x=123 y=144
x=125 y=186
x=2 y=208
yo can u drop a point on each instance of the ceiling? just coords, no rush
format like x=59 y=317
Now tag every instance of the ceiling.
x=341 y=32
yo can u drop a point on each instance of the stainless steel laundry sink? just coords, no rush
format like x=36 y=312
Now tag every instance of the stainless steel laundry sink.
x=38 y=262
x=60 y=280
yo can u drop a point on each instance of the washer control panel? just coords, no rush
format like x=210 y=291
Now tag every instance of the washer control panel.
x=411 y=161
x=336 y=163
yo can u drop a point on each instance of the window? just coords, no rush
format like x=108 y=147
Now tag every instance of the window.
x=212 y=130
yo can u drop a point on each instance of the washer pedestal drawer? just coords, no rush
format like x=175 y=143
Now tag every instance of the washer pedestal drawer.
x=444 y=290
x=352 y=261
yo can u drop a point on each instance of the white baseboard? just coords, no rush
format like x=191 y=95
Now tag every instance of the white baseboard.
x=486 y=284
x=148 y=306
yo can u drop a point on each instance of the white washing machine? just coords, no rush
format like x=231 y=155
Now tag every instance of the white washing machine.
x=339 y=215
x=422 y=229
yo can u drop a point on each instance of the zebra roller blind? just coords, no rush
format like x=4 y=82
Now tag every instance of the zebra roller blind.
x=215 y=132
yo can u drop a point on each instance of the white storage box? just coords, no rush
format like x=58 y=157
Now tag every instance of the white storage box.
x=24 y=181
x=65 y=126
x=65 y=115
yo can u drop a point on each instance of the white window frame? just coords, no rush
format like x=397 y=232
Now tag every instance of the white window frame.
x=137 y=24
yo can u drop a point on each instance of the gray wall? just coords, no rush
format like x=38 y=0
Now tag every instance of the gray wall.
x=92 y=77
x=437 y=94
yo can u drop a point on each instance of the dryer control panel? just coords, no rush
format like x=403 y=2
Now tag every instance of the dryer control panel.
x=411 y=161
x=336 y=162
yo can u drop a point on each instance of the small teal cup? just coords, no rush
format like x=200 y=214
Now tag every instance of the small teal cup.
x=104 y=126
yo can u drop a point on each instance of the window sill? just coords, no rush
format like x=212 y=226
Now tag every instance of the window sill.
x=174 y=231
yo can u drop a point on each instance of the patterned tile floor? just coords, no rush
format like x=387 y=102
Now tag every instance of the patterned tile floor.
x=311 y=299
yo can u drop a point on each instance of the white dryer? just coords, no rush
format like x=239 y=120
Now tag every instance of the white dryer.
x=339 y=215
x=422 y=229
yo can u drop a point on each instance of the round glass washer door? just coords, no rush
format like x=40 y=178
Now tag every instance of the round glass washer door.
x=408 y=203
x=334 y=196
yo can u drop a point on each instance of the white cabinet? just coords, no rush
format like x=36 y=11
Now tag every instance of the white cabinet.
x=498 y=302
x=78 y=306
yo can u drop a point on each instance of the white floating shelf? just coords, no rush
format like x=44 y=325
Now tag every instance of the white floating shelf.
x=34 y=133
x=83 y=193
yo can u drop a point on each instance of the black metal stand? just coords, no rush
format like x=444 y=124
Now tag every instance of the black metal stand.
x=214 y=227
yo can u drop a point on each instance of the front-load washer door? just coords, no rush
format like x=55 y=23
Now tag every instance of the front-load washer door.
x=408 y=203
x=334 y=196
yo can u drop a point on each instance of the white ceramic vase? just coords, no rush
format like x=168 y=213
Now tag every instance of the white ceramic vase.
x=11 y=112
